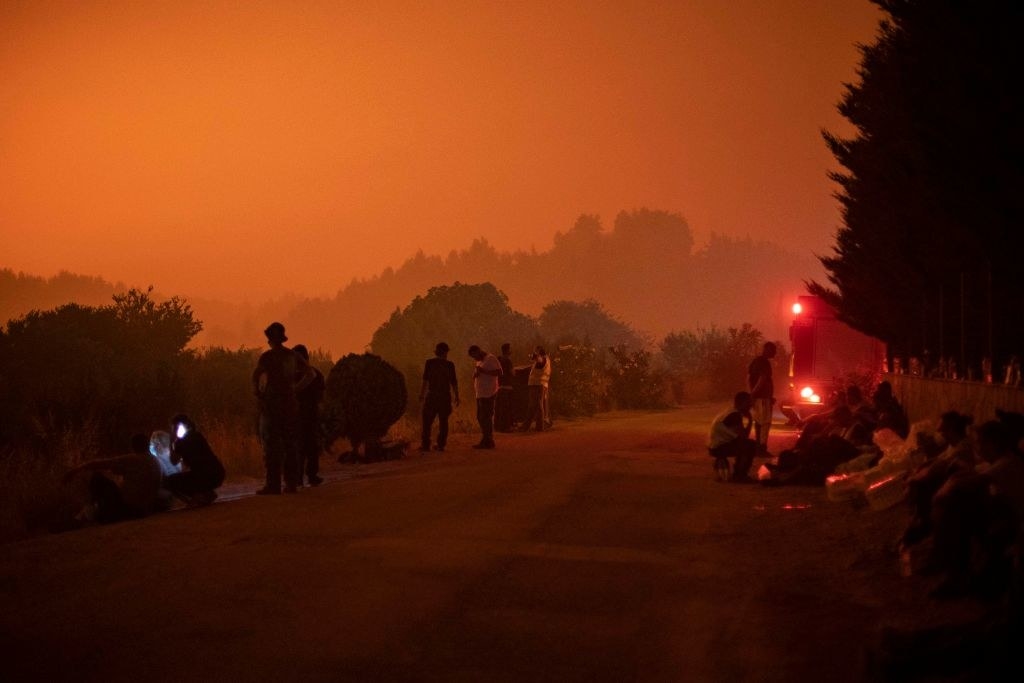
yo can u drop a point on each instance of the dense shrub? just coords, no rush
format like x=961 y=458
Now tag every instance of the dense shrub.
x=578 y=381
x=634 y=382
x=108 y=371
x=365 y=395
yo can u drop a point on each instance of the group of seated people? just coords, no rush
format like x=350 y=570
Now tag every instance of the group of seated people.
x=967 y=501
x=159 y=468
x=839 y=434
x=965 y=486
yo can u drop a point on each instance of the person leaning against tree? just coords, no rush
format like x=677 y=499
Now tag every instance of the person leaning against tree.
x=486 y=376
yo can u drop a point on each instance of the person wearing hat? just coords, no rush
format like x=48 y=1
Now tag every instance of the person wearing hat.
x=439 y=385
x=280 y=373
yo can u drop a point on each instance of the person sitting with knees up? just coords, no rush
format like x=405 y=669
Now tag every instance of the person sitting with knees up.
x=136 y=496
x=730 y=437
x=203 y=471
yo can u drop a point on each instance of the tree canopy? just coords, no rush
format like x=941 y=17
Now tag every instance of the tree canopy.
x=926 y=256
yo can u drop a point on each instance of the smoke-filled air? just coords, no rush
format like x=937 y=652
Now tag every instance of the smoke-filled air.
x=326 y=162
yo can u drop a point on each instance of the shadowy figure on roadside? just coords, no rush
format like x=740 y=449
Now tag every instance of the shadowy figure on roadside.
x=279 y=375
x=976 y=519
x=486 y=375
x=440 y=389
x=160 y=448
x=889 y=414
x=202 y=471
x=762 y=391
x=952 y=456
x=840 y=438
x=503 y=406
x=537 y=385
x=136 y=496
x=730 y=438
x=309 y=398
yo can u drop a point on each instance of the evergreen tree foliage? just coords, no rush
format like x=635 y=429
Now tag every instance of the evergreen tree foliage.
x=927 y=255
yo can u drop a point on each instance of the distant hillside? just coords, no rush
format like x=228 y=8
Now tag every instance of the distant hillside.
x=646 y=270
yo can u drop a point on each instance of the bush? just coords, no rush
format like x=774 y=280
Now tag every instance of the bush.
x=365 y=395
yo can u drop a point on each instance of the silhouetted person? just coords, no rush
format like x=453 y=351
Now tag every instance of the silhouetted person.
x=309 y=397
x=275 y=385
x=537 y=385
x=976 y=517
x=138 y=493
x=762 y=390
x=440 y=389
x=889 y=414
x=503 y=406
x=160 y=448
x=956 y=459
x=486 y=376
x=202 y=471
x=730 y=437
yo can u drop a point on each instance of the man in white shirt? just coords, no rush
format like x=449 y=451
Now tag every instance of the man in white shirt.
x=486 y=376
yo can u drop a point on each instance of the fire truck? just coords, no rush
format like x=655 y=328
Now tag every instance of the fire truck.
x=826 y=353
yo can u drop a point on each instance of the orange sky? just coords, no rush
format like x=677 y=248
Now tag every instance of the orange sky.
x=241 y=149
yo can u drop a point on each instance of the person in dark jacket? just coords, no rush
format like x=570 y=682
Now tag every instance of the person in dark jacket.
x=440 y=389
x=203 y=472
x=503 y=405
x=309 y=397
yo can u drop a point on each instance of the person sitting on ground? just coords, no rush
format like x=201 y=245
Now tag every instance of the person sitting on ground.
x=138 y=492
x=160 y=448
x=925 y=482
x=203 y=472
x=810 y=461
x=889 y=414
x=730 y=437
x=976 y=516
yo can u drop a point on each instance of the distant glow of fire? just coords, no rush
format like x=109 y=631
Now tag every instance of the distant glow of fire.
x=797 y=309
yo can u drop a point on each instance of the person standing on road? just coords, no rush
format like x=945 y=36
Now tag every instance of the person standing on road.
x=439 y=388
x=503 y=405
x=486 y=378
x=309 y=398
x=762 y=390
x=537 y=384
x=275 y=385
x=730 y=438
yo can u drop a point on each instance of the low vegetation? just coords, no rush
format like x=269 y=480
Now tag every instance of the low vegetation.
x=80 y=380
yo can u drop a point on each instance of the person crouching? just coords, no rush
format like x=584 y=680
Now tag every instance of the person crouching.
x=203 y=472
x=730 y=437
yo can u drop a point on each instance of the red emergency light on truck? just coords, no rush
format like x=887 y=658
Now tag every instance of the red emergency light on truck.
x=826 y=352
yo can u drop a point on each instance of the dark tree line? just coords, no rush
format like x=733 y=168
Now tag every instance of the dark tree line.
x=927 y=258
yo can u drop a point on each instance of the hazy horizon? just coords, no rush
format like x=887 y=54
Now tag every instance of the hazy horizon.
x=246 y=151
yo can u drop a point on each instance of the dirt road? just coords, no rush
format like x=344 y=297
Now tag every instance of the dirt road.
x=601 y=550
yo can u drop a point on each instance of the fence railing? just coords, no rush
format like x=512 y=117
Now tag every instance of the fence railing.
x=928 y=397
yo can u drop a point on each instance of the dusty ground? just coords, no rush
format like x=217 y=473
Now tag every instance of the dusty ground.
x=601 y=550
